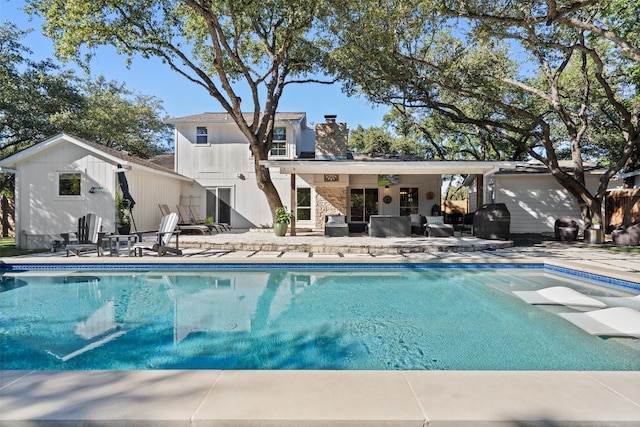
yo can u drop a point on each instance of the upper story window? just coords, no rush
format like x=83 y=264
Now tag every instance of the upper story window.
x=69 y=183
x=202 y=136
x=279 y=143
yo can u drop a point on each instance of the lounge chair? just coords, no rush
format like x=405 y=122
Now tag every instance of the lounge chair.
x=218 y=226
x=164 y=209
x=88 y=237
x=162 y=237
x=186 y=224
x=560 y=295
x=612 y=322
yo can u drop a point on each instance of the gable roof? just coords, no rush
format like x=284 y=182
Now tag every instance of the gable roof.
x=108 y=154
x=226 y=118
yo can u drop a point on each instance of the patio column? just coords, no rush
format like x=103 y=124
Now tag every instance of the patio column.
x=480 y=190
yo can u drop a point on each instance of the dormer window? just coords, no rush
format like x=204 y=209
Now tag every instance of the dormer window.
x=279 y=143
x=202 y=135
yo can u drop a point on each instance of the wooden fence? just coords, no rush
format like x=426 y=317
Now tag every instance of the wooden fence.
x=622 y=207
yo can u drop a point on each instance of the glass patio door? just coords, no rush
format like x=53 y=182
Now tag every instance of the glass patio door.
x=219 y=204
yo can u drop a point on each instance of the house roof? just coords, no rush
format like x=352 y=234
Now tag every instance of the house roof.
x=109 y=154
x=226 y=118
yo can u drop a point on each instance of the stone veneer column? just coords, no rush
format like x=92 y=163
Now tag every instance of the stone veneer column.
x=330 y=200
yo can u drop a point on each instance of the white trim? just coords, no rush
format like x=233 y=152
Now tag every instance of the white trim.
x=353 y=167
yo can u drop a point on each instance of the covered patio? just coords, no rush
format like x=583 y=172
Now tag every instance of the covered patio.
x=337 y=182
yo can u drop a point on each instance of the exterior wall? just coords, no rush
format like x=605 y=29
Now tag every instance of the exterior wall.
x=330 y=200
x=535 y=201
x=148 y=190
x=226 y=162
x=43 y=215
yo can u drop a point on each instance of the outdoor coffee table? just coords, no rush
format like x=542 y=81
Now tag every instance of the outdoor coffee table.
x=117 y=240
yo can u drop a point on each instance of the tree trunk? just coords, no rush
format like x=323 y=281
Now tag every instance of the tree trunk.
x=263 y=176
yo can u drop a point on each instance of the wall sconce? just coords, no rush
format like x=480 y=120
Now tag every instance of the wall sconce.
x=95 y=190
x=240 y=176
x=386 y=187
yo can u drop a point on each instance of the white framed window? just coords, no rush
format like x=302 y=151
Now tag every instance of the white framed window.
x=303 y=204
x=279 y=143
x=202 y=135
x=69 y=184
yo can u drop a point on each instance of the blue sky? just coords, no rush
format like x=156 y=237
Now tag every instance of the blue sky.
x=181 y=97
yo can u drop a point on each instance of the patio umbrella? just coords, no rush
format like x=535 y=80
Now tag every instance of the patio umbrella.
x=126 y=195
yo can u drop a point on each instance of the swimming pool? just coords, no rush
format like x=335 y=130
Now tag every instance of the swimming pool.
x=397 y=317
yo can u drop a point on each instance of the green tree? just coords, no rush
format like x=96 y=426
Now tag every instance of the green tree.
x=547 y=78
x=223 y=46
x=32 y=94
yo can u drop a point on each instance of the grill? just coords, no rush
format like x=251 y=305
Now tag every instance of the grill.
x=492 y=221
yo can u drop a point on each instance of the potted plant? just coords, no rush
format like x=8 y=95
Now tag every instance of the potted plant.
x=123 y=220
x=281 y=220
x=595 y=224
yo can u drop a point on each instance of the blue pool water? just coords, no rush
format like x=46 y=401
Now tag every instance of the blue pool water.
x=298 y=318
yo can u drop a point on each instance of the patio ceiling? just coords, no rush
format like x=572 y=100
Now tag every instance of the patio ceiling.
x=359 y=167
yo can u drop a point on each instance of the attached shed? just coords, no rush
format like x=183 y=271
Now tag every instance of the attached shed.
x=534 y=197
x=66 y=177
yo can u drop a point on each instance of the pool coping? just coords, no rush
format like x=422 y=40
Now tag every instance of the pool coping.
x=315 y=398
x=318 y=398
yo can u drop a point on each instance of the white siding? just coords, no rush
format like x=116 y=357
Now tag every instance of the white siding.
x=227 y=162
x=44 y=214
x=535 y=201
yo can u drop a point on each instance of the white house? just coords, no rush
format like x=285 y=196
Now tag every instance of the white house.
x=311 y=168
x=213 y=173
x=65 y=177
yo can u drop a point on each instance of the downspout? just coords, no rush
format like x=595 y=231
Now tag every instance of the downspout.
x=489 y=178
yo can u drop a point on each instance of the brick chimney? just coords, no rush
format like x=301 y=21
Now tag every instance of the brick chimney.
x=331 y=139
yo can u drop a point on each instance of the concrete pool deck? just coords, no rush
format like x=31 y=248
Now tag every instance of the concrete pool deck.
x=336 y=398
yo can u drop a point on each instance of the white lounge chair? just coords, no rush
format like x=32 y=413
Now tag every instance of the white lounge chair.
x=88 y=237
x=162 y=237
x=613 y=322
x=560 y=295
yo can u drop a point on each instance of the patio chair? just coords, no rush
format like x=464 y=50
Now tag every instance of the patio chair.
x=437 y=228
x=186 y=224
x=335 y=226
x=87 y=238
x=161 y=238
x=218 y=226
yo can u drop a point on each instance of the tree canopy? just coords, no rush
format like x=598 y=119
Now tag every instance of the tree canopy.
x=222 y=46
x=38 y=100
x=545 y=79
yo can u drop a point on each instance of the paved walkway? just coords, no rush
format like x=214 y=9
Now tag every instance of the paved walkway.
x=242 y=246
x=334 y=398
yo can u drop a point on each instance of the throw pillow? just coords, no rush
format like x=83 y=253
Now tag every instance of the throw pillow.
x=335 y=219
